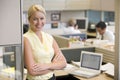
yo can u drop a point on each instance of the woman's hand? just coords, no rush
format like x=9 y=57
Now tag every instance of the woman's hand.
x=40 y=67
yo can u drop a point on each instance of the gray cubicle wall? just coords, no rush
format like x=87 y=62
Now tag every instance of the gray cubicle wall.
x=74 y=53
x=11 y=34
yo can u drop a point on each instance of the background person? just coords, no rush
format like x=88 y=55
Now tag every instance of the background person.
x=72 y=27
x=41 y=53
x=103 y=33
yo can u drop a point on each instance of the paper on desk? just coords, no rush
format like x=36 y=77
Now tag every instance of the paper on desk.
x=77 y=64
x=108 y=68
x=69 y=66
x=110 y=72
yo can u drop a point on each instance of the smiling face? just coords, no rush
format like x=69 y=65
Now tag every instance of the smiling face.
x=37 y=20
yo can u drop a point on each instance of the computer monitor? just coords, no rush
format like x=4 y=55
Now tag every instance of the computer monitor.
x=91 y=60
x=82 y=23
x=91 y=27
x=9 y=59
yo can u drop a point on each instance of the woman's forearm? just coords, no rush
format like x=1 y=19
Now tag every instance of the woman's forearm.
x=58 y=65
x=39 y=69
x=39 y=72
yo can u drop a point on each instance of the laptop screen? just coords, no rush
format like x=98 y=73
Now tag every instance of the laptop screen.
x=91 y=61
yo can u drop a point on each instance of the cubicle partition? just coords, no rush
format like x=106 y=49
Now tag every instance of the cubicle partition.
x=82 y=36
x=108 y=55
x=63 y=40
x=73 y=54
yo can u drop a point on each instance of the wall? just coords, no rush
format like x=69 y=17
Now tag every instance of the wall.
x=65 y=15
x=72 y=14
x=117 y=40
x=109 y=16
x=94 y=16
x=10 y=22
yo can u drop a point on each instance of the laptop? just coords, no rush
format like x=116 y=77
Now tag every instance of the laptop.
x=90 y=64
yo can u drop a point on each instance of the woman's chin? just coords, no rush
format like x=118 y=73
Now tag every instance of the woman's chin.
x=38 y=29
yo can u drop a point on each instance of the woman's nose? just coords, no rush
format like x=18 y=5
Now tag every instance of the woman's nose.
x=39 y=21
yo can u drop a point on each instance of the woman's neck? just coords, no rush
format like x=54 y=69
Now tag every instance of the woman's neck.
x=37 y=32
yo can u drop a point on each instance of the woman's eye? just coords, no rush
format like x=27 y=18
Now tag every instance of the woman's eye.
x=34 y=18
x=38 y=18
x=41 y=18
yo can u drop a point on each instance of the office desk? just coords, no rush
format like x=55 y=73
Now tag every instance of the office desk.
x=8 y=78
x=91 y=34
x=5 y=78
x=102 y=76
x=108 y=56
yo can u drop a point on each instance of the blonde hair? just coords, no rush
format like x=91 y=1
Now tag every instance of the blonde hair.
x=35 y=8
x=72 y=22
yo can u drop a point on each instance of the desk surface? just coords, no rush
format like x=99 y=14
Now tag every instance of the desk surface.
x=102 y=76
x=91 y=34
x=5 y=78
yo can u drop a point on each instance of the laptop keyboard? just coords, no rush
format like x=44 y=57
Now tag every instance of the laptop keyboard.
x=83 y=73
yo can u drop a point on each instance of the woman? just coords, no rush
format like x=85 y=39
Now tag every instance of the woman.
x=41 y=52
x=72 y=27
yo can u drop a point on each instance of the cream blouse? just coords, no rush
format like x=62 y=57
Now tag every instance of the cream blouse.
x=42 y=51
